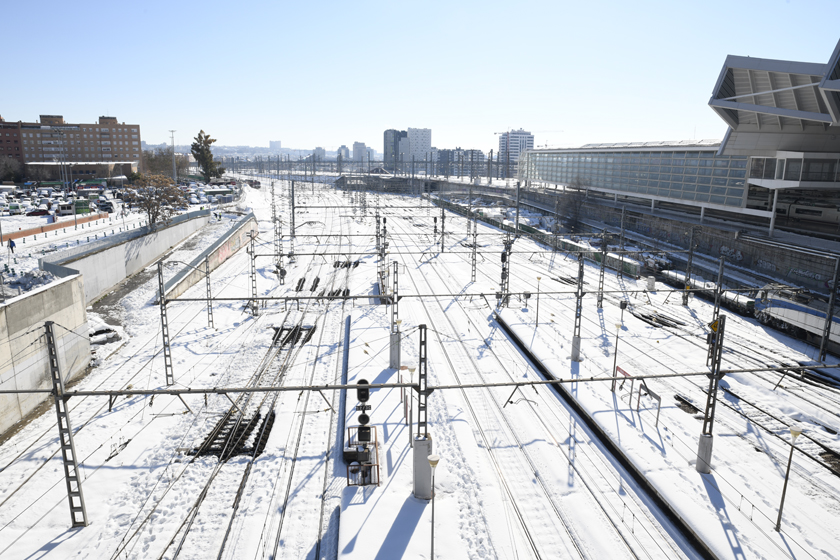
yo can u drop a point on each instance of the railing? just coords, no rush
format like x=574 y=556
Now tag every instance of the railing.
x=365 y=470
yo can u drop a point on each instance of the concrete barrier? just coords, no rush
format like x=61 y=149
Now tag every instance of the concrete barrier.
x=23 y=352
x=108 y=262
x=217 y=253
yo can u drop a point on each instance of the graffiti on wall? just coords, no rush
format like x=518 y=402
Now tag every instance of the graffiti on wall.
x=731 y=253
x=805 y=273
x=765 y=265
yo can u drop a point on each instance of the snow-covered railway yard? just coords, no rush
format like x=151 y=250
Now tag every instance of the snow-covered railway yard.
x=522 y=475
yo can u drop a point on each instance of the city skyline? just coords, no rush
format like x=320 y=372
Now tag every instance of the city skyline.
x=583 y=73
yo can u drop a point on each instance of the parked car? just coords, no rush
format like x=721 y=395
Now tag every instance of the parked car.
x=38 y=212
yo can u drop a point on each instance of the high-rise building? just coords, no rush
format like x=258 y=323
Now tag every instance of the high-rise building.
x=401 y=146
x=344 y=152
x=82 y=146
x=320 y=154
x=274 y=145
x=518 y=141
x=419 y=144
x=392 y=148
x=359 y=151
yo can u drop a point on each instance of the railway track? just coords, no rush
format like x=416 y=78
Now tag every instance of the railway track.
x=437 y=316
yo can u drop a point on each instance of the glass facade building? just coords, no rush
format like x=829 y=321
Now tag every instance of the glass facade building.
x=691 y=175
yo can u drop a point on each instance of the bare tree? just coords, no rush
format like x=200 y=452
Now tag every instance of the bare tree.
x=10 y=169
x=39 y=173
x=159 y=162
x=158 y=198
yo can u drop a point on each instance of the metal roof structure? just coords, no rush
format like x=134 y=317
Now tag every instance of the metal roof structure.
x=779 y=105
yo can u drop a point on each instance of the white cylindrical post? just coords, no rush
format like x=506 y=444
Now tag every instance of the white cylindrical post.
x=422 y=469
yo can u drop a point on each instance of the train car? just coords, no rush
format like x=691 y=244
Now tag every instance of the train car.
x=741 y=302
x=801 y=209
x=796 y=312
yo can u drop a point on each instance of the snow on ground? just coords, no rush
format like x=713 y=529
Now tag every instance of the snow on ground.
x=521 y=475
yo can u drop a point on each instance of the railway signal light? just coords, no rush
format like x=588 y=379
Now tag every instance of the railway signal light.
x=362 y=392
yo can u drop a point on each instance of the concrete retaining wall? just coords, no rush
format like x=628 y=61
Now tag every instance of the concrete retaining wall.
x=112 y=260
x=23 y=351
x=217 y=253
x=714 y=240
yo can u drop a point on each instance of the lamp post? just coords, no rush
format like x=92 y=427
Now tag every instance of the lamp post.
x=538 y=300
x=433 y=462
x=615 y=355
x=794 y=433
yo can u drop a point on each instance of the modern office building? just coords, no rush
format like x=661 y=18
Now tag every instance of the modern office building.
x=515 y=142
x=394 y=142
x=400 y=146
x=274 y=146
x=359 y=151
x=82 y=146
x=782 y=140
x=320 y=154
x=344 y=152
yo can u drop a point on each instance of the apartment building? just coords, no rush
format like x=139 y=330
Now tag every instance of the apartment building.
x=82 y=146
x=517 y=141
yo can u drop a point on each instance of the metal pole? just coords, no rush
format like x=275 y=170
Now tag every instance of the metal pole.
x=704 y=451
x=578 y=311
x=65 y=436
x=174 y=169
x=538 y=300
x=433 y=515
x=603 y=266
x=209 y=295
x=164 y=328
x=517 y=207
x=688 y=267
x=829 y=316
x=781 y=505
x=615 y=357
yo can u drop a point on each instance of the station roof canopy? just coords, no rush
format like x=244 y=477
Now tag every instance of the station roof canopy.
x=779 y=105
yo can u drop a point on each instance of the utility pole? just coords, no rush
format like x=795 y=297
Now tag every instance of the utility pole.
x=474 y=250
x=395 y=319
x=469 y=211
x=278 y=232
x=209 y=294
x=490 y=169
x=829 y=317
x=174 y=169
x=603 y=266
x=704 y=451
x=422 y=383
x=78 y=512
x=292 y=225
x=442 y=227
x=621 y=243
x=504 y=283
x=688 y=266
x=578 y=311
x=252 y=250
x=164 y=328
x=517 y=207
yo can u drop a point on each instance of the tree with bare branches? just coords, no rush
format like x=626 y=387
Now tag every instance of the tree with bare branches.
x=158 y=198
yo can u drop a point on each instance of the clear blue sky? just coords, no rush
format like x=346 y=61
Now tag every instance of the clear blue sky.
x=330 y=73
